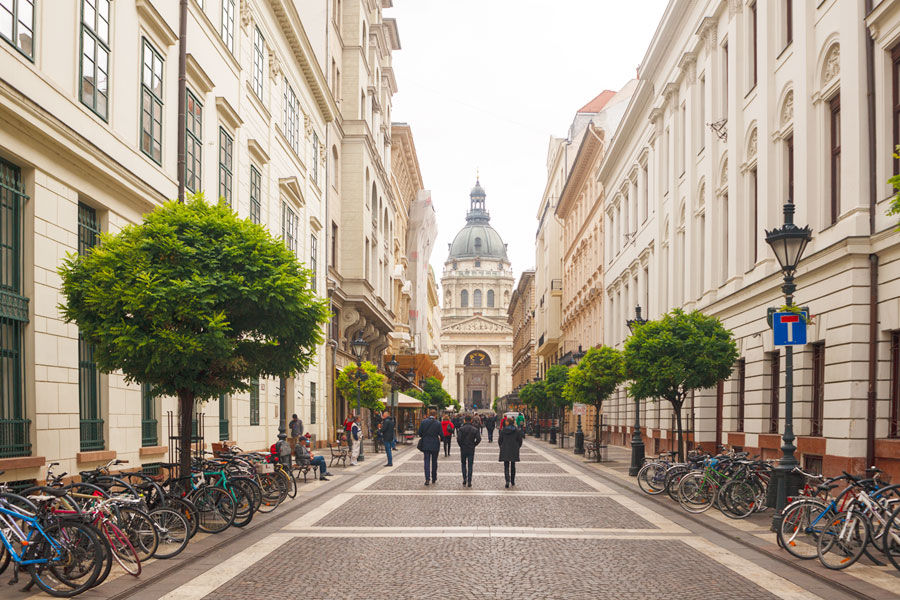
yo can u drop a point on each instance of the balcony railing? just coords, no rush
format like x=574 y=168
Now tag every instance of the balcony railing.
x=92 y=435
x=14 y=438
x=556 y=284
x=149 y=435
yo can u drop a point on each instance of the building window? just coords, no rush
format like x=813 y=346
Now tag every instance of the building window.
x=894 y=430
x=818 y=388
x=289 y=227
x=312 y=403
x=477 y=245
x=95 y=56
x=812 y=463
x=334 y=244
x=895 y=84
x=665 y=161
x=645 y=192
x=788 y=22
x=313 y=261
x=228 y=24
x=149 y=436
x=753 y=61
x=291 y=118
x=223 y=417
x=367 y=259
x=754 y=218
x=490 y=298
x=259 y=62
x=151 y=102
x=789 y=146
x=464 y=299
x=835 y=127
x=774 y=382
x=477 y=263
x=725 y=80
x=15 y=440
x=254 y=401
x=682 y=159
x=476 y=299
x=193 y=144
x=88 y=373
x=723 y=254
x=741 y=395
x=17 y=24
x=255 y=191
x=226 y=156
x=315 y=158
x=701 y=122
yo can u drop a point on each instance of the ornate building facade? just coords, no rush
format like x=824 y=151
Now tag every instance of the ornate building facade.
x=521 y=319
x=476 y=340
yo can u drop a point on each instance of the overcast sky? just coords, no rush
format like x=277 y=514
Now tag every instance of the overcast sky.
x=485 y=83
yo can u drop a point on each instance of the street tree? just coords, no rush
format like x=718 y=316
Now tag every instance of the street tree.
x=554 y=383
x=680 y=352
x=194 y=302
x=371 y=386
x=593 y=379
x=534 y=395
x=437 y=395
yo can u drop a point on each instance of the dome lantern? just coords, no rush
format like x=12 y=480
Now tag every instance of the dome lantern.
x=478 y=239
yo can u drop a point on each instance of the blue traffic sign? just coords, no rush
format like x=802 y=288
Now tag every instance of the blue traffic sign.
x=789 y=329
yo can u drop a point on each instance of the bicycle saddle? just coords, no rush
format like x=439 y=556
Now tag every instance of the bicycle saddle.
x=55 y=492
x=827 y=487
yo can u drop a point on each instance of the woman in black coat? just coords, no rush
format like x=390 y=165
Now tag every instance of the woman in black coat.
x=510 y=441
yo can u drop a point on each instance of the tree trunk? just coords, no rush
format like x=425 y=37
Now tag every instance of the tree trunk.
x=597 y=430
x=186 y=406
x=677 y=408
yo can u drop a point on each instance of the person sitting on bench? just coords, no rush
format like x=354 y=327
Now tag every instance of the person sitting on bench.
x=303 y=454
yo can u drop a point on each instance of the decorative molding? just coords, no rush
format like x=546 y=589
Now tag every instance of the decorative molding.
x=291 y=188
x=245 y=14
x=787 y=109
x=753 y=143
x=257 y=152
x=227 y=114
x=688 y=66
x=197 y=75
x=708 y=31
x=832 y=64
x=734 y=8
x=723 y=176
x=155 y=23
x=275 y=69
x=477 y=325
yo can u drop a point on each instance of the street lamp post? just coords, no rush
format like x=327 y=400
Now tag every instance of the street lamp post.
x=359 y=347
x=392 y=370
x=788 y=242
x=637 y=440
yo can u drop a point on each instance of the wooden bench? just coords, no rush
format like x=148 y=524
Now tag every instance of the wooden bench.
x=304 y=466
x=339 y=454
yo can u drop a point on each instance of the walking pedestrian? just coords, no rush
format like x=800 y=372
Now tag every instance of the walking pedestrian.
x=431 y=432
x=489 y=423
x=520 y=421
x=467 y=437
x=296 y=429
x=387 y=431
x=447 y=431
x=510 y=441
x=355 y=439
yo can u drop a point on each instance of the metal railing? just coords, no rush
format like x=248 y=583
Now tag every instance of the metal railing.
x=92 y=435
x=14 y=438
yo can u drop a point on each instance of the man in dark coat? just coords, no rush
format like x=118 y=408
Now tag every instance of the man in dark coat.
x=430 y=431
x=510 y=441
x=490 y=422
x=467 y=437
x=387 y=431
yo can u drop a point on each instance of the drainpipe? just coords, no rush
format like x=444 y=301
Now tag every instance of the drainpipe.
x=872 y=397
x=182 y=92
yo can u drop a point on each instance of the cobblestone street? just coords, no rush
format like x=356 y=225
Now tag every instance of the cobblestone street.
x=569 y=529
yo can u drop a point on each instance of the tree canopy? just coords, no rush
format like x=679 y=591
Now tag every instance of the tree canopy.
x=371 y=388
x=595 y=377
x=554 y=384
x=680 y=352
x=534 y=394
x=194 y=302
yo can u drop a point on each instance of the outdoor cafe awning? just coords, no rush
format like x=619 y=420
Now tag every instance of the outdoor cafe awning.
x=404 y=401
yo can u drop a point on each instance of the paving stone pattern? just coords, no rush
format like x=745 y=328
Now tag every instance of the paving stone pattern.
x=451 y=465
x=520 y=568
x=512 y=510
x=483 y=482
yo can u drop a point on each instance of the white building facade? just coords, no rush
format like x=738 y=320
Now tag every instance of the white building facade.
x=88 y=143
x=742 y=107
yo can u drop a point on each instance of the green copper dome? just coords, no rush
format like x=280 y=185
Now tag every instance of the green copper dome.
x=478 y=239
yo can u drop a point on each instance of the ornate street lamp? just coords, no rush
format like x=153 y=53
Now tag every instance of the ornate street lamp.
x=637 y=440
x=788 y=242
x=392 y=370
x=359 y=347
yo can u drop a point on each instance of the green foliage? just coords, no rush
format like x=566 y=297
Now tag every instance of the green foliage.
x=535 y=395
x=554 y=383
x=895 y=181
x=678 y=353
x=194 y=301
x=595 y=377
x=436 y=394
x=371 y=387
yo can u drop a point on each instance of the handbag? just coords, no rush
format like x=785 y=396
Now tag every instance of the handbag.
x=421 y=445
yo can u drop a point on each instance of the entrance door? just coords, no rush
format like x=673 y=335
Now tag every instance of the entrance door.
x=476 y=399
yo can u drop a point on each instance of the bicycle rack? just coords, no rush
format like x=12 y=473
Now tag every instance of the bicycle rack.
x=197 y=435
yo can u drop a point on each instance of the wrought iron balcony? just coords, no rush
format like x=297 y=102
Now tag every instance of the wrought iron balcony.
x=14 y=438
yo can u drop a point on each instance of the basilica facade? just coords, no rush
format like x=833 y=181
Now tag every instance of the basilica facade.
x=476 y=340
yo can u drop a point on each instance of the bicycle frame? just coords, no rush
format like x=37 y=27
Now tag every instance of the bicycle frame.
x=7 y=519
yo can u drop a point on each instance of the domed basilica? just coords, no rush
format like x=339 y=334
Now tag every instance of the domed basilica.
x=476 y=339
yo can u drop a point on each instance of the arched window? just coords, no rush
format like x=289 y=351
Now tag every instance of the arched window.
x=464 y=299
x=490 y=299
x=478 y=245
x=476 y=299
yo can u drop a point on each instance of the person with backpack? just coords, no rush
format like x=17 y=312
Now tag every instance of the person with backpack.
x=388 y=434
x=467 y=437
x=281 y=451
x=447 y=430
x=355 y=439
x=489 y=423
x=510 y=441
x=430 y=432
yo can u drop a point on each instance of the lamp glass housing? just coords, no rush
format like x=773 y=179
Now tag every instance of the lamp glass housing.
x=358 y=347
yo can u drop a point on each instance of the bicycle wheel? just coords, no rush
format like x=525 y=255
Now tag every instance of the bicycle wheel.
x=139 y=528
x=273 y=492
x=251 y=488
x=123 y=550
x=652 y=478
x=173 y=530
x=696 y=492
x=738 y=499
x=673 y=478
x=215 y=507
x=843 y=540
x=243 y=505
x=290 y=483
x=801 y=524
x=71 y=561
x=187 y=510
